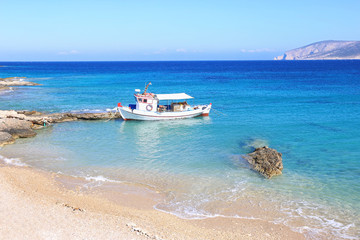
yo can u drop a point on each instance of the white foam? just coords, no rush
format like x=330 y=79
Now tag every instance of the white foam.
x=62 y=159
x=318 y=223
x=12 y=161
x=191 y=213
x=99 y=178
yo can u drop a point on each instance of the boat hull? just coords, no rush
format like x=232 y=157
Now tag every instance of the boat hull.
x=133 y=114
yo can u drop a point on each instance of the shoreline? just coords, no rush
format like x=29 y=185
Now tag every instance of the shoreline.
x=132 y=205
x=127 y=213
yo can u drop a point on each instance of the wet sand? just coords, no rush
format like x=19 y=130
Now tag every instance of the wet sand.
x=40 y=205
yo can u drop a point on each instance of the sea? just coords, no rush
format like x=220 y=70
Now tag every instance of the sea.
x=307 y=110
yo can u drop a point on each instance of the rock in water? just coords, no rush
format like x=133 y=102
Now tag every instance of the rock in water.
x=17 y=127
x=266 y=160
x=6 y=138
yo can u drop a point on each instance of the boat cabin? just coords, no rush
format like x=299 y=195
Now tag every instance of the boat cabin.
x=151 y=102
x=146 y=102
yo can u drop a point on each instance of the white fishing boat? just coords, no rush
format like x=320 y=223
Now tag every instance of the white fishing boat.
x=150 y=106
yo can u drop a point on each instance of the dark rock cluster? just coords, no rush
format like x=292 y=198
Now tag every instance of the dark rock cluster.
x=266 y=161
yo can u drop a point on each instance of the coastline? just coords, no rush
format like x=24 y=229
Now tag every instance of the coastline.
x=30 y=197
x=127 y=211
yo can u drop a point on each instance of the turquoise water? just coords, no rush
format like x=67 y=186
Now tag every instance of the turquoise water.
x=309 y=111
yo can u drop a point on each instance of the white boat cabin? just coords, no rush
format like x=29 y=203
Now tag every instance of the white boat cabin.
x=151 y=102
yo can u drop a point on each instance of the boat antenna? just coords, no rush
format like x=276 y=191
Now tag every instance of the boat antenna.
x=146 y=87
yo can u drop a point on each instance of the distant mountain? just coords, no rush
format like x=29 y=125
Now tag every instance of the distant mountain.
x=324 y=50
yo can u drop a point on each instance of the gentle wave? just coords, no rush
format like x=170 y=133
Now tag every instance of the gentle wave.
x=13 y=161
x=311 y=219
x=100 y=178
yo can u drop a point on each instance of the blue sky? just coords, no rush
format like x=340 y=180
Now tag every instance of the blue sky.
x=125 y=30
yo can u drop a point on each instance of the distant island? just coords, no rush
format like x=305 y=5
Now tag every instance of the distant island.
x=324 y=50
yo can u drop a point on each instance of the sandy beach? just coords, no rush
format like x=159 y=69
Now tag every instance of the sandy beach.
x=40 y=205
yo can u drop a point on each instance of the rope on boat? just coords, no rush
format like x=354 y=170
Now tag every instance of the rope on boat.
x=218 y=112
x=111 y=114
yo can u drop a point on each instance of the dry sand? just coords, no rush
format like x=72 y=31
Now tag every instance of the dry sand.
x=41 y=205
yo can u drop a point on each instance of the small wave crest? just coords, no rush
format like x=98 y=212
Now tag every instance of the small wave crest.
x=202 y=202
x=320 y=220
x=100 y=178
x=311 y=219
x=12 y=161
x=97 y=181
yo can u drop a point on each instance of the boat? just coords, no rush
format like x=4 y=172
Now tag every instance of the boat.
x=150 y=106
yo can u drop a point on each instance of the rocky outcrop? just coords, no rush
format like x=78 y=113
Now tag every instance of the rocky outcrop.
x=15 y=81
x=17 y=128
x=266 y=161
x=21 y=124
x=325 y=50
x=12 y=128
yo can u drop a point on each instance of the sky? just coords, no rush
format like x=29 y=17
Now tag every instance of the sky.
x=160 y=30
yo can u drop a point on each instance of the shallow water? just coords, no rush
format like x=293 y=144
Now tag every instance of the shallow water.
x=307 y=110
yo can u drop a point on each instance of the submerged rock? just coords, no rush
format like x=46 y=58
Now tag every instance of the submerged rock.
x=250 y=144
x=266 y=161
x=6 y=138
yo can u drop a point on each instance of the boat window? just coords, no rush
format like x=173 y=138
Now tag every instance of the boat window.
x=140 y=99
x=145 y=100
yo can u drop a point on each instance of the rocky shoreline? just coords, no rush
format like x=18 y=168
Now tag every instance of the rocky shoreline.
x=21 y=124
x=6 y=83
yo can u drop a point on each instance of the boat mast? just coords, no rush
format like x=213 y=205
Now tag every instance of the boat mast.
x=146 y=88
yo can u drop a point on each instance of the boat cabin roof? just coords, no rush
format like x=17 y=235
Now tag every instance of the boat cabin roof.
x=173 y=96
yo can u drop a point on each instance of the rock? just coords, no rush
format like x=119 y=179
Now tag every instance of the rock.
x=30 y=113
x=266 y=161
x=6 y=138
x=16 y=81
x=17 y=127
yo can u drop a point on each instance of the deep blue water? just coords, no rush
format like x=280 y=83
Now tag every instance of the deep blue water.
x=308 y=110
